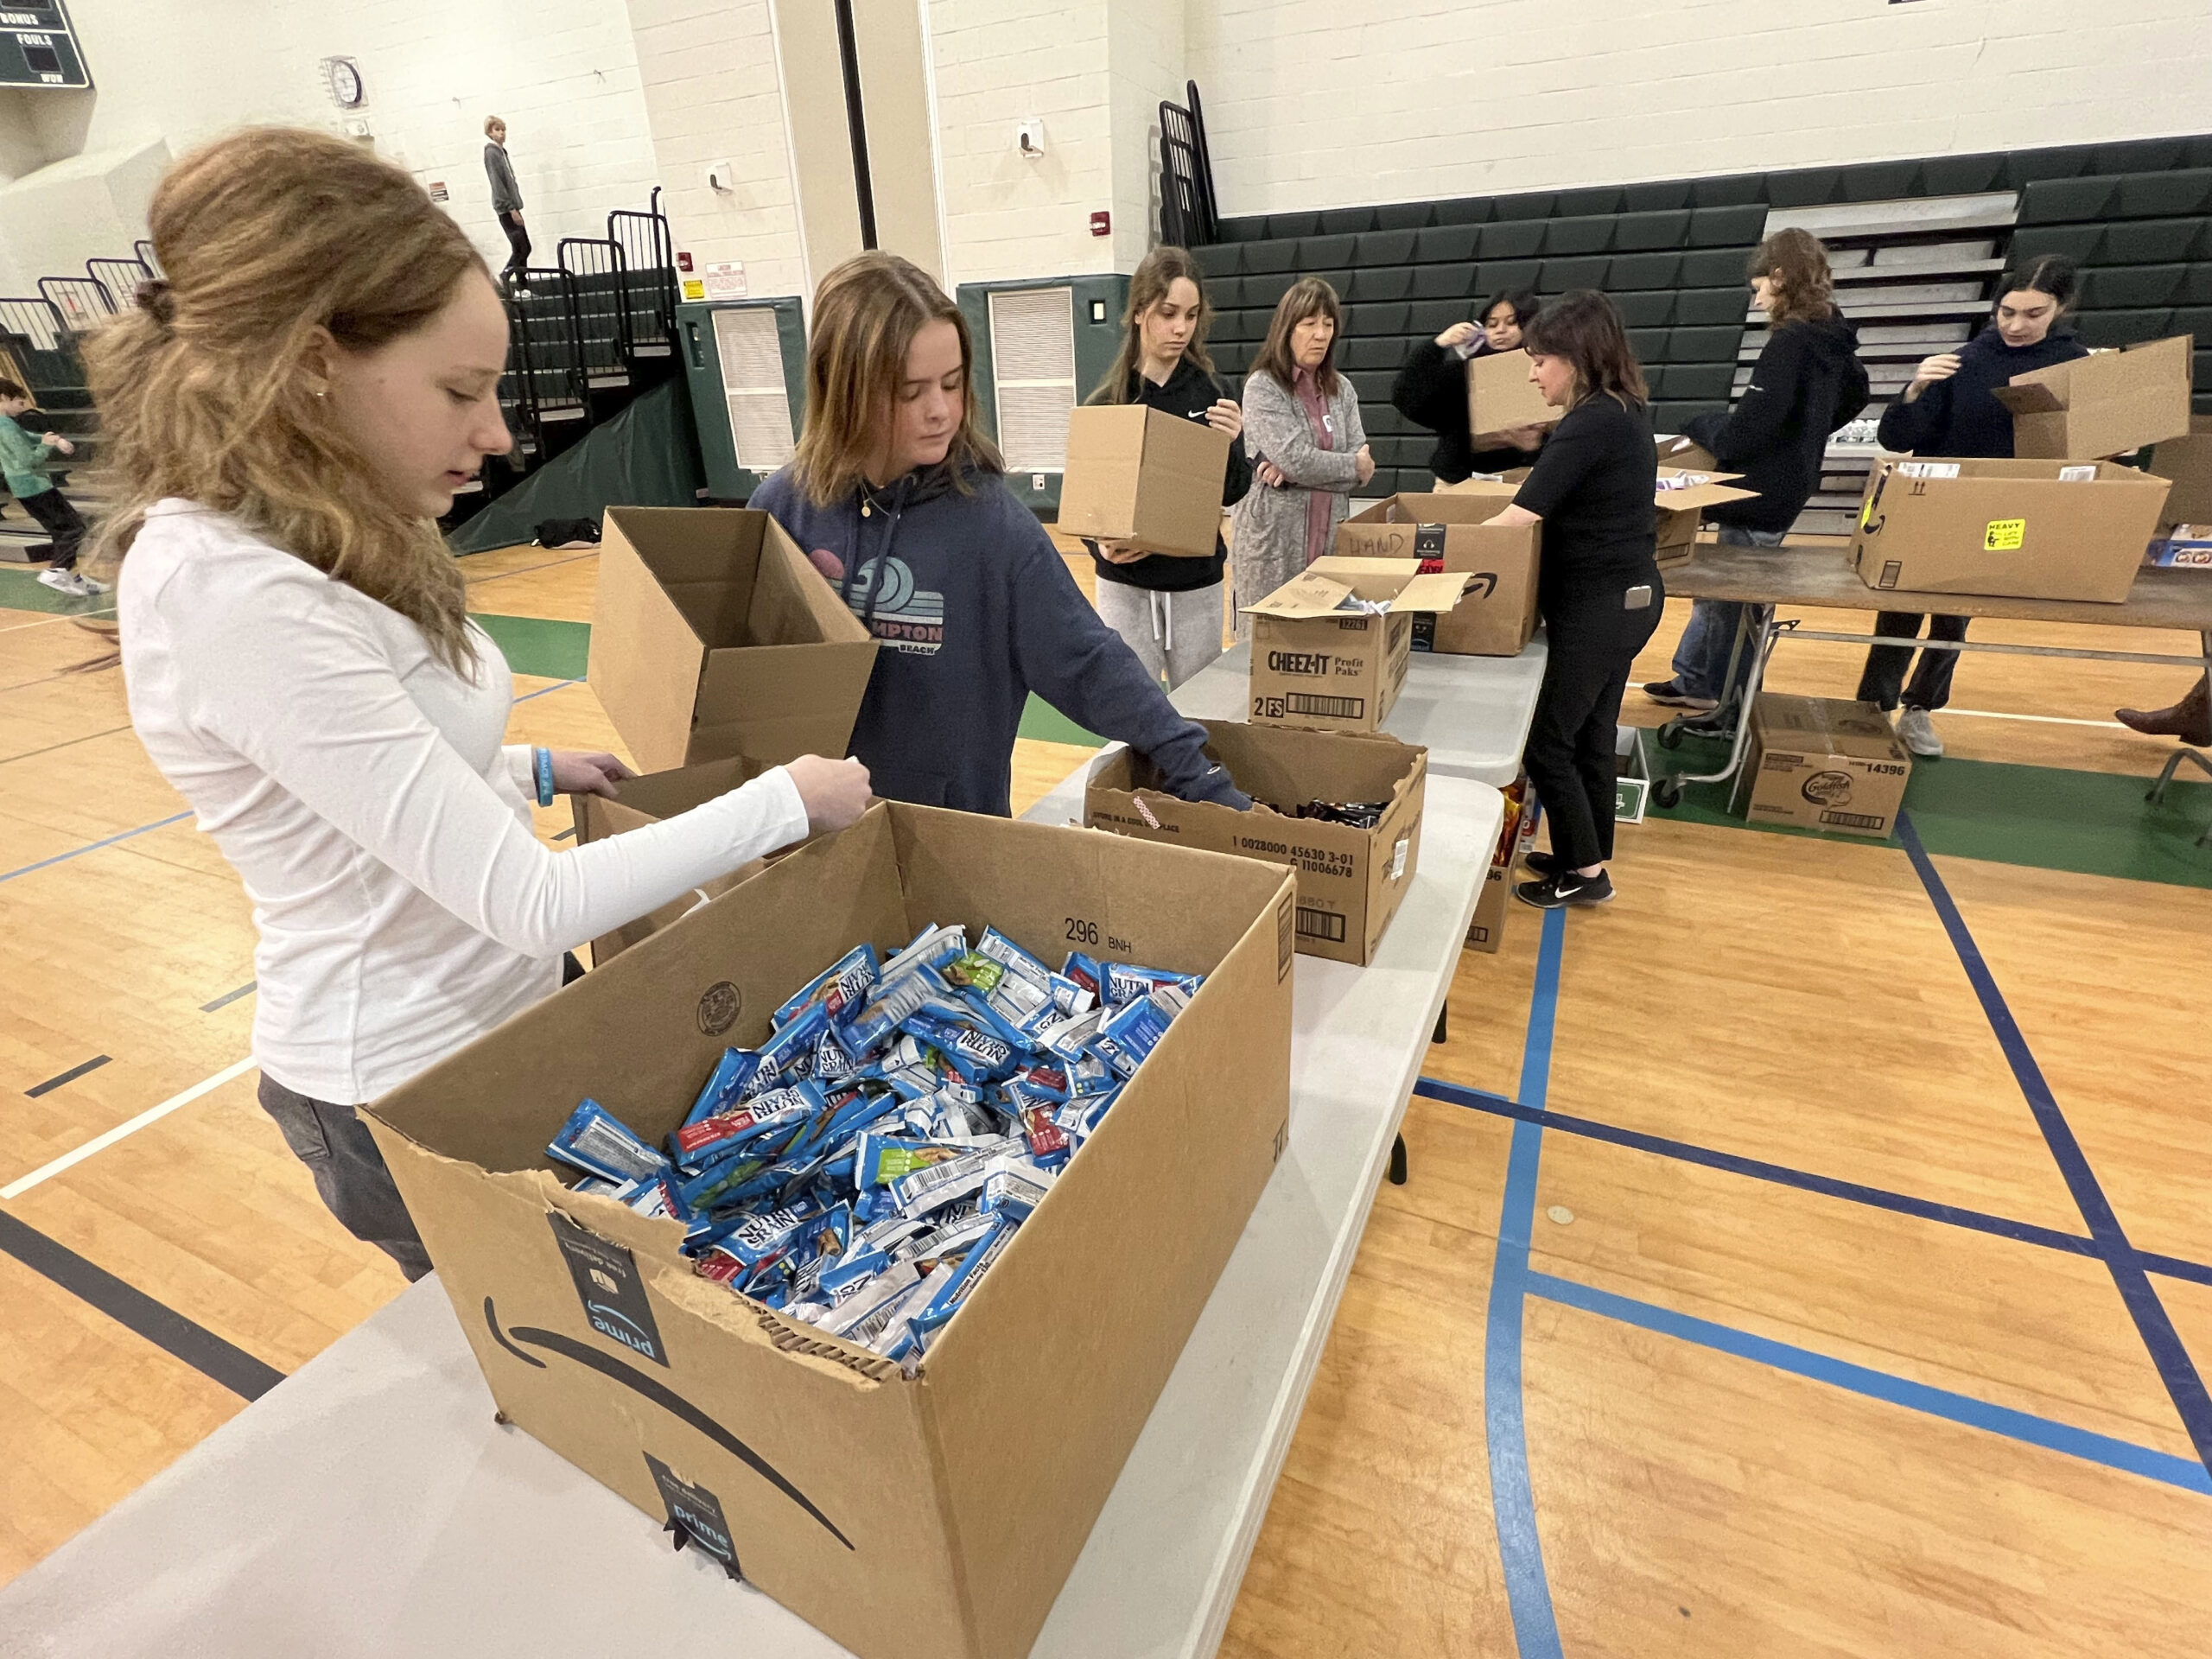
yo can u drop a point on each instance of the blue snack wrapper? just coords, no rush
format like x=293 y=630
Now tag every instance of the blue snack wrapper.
x=726 y=1085
x=599 y=1143
x=840 y=988
x=1124 y=982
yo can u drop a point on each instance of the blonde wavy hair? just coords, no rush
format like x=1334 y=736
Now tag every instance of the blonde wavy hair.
x=275 y=240
x=866 y=313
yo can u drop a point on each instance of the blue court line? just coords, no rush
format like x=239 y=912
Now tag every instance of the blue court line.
x=542 y=691
x=63 y=858
x=1513 y=1503
x=1877 y=1197
x=2113 y=1453
x=2183 y=1386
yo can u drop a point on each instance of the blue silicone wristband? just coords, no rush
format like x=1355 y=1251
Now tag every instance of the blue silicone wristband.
x=544 y=760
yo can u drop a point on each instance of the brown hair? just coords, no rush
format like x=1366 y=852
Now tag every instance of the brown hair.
x=276 y=240
x=1155 y=274
x=1309 y=297
x=866 y=315
x=12 y=388
x=1583 y=327
x=1807 y=291
x=491 y=121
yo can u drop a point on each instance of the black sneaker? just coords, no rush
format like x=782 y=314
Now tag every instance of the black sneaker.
x=1546 y=865
x=1669 y=694
x=1557 y=892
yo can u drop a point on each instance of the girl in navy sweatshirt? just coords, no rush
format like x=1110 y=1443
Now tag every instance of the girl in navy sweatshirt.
x=1950 y=410
x=899 y=499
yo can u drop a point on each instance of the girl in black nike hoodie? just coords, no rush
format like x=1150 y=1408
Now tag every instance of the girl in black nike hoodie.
x=899 y=498
x=1950 y=409
x=1170 y=610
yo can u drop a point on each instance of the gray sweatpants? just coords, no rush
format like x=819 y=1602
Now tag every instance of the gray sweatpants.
x=1174 y=635
x=349 y=1173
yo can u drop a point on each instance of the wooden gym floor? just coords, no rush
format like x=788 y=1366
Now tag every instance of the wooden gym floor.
x=1806 y=1255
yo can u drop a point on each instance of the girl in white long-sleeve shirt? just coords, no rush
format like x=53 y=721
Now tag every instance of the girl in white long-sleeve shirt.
x=289 y=413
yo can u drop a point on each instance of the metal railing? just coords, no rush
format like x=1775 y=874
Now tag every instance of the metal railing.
x=144 y=250
x=81 y=301
x=122 y=278
x=1188 y=216
x=600 y=289
x=648 y=250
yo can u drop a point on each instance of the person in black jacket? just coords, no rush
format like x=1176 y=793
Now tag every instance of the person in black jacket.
x=1806 y=382
x=1598 y=584
x=1431 y=389
x=1168 y=608
x=1950 y=409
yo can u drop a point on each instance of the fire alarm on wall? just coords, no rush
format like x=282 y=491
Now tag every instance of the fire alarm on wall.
x=1102 y=223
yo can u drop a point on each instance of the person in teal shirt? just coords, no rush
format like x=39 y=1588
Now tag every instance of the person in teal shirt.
x=23 y=462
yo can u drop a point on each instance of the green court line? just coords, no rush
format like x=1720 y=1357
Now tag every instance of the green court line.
x=540 y=645
x=2043 y=817
x=1043 y=723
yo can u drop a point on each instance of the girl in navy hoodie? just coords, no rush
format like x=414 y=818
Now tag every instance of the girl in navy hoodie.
x=1950 y=409
x=899 y=499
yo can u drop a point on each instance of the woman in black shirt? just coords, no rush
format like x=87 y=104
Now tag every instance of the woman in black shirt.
x=1599 y=588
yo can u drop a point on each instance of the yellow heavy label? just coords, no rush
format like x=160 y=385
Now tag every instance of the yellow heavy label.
x=2004 y=535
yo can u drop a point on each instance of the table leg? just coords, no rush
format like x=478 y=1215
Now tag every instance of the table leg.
x=1398 y=1161
x=1443 y=1018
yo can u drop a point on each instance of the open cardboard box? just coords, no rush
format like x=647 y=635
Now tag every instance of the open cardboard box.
x=1145 y=477
x=648 y=800
x=712 y=635
x=1486 y=933
x=2106 y=404
x=929 y=1515
x=1317 y=663
x=1497 y=615
x=1684 y=496
x=1824 y=762
x=1349 y=880
x=2016 y=529
x=1501 y=396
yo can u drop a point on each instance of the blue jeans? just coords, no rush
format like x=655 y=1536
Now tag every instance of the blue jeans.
x=1701 y=657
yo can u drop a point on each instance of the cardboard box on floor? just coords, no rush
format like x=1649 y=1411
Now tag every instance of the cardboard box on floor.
x=1146 y=477
x=1501 y=396
x=712 y=635
x=2016 y=529
x=1498 y=615
x=647 y=800
x=1495 y=903
x=1349 y=880
x=1314 y=664
x=2104 y=405
x=2187 y=462
x=933 y=1515
x=1824 y=762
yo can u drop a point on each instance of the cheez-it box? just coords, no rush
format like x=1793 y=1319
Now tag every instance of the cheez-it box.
x=1330 y=646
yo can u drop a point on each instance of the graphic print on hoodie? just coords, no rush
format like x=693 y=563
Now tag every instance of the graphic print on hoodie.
x=978 y=609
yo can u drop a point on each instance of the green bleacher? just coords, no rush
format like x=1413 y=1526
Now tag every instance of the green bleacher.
x=1672 y=256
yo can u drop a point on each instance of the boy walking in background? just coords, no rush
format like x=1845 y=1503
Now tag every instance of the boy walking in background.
x=23 y=462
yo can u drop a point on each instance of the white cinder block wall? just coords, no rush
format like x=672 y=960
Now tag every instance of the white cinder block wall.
x=712 y=93
x=564 y=72
x=1309 y=105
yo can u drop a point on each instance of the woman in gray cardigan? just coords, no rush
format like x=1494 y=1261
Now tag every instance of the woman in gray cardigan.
x=1309 y=452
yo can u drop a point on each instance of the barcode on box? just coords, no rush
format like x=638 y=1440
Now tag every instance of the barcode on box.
x=1320 y=925
x=1853 y=820
x=1306 y=702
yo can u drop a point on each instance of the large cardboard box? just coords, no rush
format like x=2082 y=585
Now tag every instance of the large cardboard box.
x=2018 y=529
x=929 y=1515
x=1500 y=395
x=2104 y=405
x=1349 y=880
x=1687 y=455
x=1683 y=498
x=648 y=800
x=1146 y=477
x=1319 y=660
x=712 y=636
x=2186 y=463
x=1825 y=763
x=1447 y=532
x=1486 y=933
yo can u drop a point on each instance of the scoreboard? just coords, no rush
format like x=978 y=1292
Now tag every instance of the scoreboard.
x=37 y=47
